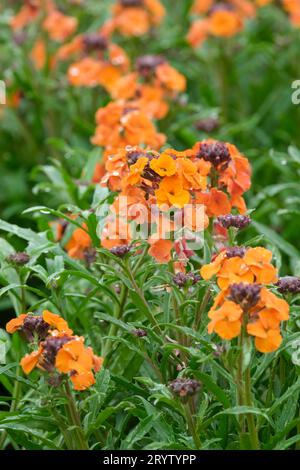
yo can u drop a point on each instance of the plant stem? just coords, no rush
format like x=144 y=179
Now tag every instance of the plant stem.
x=191 y=423
x=201 y=310
x=250 y=417
x=117 y=315
x=76 y=422
x=140 y=293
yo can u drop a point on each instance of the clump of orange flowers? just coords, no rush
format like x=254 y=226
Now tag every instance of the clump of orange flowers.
x=211 y=177
x=98 y=61
x=59 y=352
x=122 y=123
x=135 y=17
x=244 y=303
x=223 y=19
x=153 y=82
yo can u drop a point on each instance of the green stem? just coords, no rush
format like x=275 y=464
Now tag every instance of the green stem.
x=76 y=422
x=191 y=423
x=117 y=315
x=140 y=293
x=250 y=418
x=201 y=310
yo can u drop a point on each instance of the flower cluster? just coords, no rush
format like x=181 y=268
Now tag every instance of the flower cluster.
x=134 y=17
x=227 y=18
x=57 y=26
x=205 y=181
x=59 y=351
x=244 y=304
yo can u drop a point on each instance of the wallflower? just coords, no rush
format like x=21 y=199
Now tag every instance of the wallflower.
x=251 y=305
x=79 y=243
x=59 y=26
x=238 y=264
x=136 y=17
x=218 y=19
x=29 y=12
x=59 y=351
x=99 y=62
x=151 y=86
x=120 y=124
x=31 y=325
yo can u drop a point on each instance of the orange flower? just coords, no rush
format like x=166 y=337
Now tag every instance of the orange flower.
x=198 y=32
x=86 y=72
x=202 y=6
x=164 y=165
x=226 y=321
x=75 y=359
x=170 y=78
x=135 y=17
x=57 y=322
x=16 y=323
x=239 y=265
x=260 y=309
x=79 y=242
x=59 y=26
x=160 y=249
x=136 y=171
x=30 y=361
x=171 y=192
x=121 y=124
x=38 y=54
x=224 y=23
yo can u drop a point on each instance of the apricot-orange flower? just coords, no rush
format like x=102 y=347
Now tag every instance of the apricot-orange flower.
x=241 y=265
x=79 y=243
x=135 y=17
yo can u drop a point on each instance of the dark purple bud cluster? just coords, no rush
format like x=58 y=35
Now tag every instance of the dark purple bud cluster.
x=34 y=327
x=51 y=346
x=184 y=387
x=94 y=41
x=133 y=156
x=289 y=284
x=20 y=258
x=183 y=279
x=146 y=64
x=246 y=295
x=140 y=333
x=233 y=251
x=207 y=125
x=216 y=153
x=131 y=3
x=120 y=251
x=236 y=221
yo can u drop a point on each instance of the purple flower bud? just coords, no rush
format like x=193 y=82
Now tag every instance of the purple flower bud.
x=183 y=279
x=237 y=221
x=120 y=251
x=235 y=251
x=51 y=346
x=289 y=284
x=140 y=333
x=147 y=64
x=216 y=153
x=20 y=258
x=131 y=3
x=94 y=41
x=184 y=387
x=34 y=327
x=207 y=125
x=246 y=295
